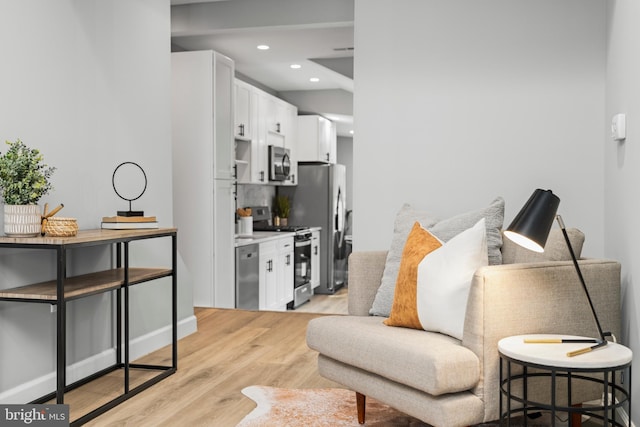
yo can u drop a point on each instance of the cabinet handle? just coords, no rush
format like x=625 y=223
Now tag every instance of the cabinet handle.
x=288 y=259
x=235 y=171
x=270 y=266
x=278 y=127
x=241 y=129
x=293 y=178
x=315 y=250
x=328 y=157
x=261 y=176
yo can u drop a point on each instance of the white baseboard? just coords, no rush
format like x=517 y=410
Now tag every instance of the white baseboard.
x=138 y=347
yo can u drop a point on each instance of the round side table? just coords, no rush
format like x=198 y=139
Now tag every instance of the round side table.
x=522 y=363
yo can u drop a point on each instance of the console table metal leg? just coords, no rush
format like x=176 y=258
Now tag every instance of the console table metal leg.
x=126 y=317
x=61 y=327
x=118 y=309
x=174 y=299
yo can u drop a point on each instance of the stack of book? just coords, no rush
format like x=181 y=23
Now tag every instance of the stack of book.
x=129 y=222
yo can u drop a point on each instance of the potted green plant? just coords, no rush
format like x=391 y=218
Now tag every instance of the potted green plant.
x=283 y=208
x=24 y=179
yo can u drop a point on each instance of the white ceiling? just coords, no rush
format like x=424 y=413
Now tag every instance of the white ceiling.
x=316 y=35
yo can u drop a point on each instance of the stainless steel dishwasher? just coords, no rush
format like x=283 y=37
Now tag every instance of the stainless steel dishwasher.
x=247 y=269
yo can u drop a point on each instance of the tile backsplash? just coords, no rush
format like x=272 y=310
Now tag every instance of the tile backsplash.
x=255 y=195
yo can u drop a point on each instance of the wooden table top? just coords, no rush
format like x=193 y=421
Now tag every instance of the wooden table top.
x=86 y=236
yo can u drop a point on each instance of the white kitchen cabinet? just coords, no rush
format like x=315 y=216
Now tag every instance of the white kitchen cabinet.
x=250 y=157
x=315 y=259
x=244 y=119
x=267 y=276
x=317 y=139
x=261 y=120
x=224 y=255
x=277 y=126
x=285 y=272
x=262 y=148
x=290 y=126
x=276 y=274
x=277 y=115
x=203 y=184
x=223 y=113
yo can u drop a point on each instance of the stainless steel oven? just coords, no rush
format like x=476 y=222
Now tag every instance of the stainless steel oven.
x=302 y=268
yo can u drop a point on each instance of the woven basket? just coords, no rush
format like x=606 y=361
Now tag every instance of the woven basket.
x=61 y=227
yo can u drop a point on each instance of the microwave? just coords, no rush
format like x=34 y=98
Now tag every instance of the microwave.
x=279 y=163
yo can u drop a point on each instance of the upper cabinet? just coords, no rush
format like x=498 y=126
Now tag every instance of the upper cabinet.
x=317 y=139
x=244 y=117
x=262 y=120
x=223 y=112
x=249 y=156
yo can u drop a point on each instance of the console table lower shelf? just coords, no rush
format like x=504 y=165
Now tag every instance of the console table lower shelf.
x=538 y=377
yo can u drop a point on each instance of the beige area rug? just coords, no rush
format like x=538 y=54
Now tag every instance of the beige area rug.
x=335 y=407
x=278 y=407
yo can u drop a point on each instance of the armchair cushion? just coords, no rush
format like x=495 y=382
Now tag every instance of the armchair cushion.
x=434 y=363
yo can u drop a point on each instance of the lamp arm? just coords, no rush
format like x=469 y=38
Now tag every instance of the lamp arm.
x=584 y=286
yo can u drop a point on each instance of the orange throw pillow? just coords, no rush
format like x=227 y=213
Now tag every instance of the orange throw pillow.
x=404 y=311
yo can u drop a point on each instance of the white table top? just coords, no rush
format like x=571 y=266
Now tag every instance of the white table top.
x=555 y=355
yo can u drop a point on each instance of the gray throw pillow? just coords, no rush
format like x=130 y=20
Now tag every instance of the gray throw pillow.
x=444 y=230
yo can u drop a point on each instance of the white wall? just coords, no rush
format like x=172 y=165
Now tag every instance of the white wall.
x=459 y=101
x=345 y=157
x=622 y=166
x=87 y=82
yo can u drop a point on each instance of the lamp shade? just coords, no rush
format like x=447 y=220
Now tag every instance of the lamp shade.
x=530 y=228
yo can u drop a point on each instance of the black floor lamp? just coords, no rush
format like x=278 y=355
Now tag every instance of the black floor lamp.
x=530 y=229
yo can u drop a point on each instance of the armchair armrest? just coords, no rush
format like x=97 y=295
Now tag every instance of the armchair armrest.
x=365 y=276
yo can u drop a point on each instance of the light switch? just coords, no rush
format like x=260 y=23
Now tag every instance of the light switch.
x=619 y=127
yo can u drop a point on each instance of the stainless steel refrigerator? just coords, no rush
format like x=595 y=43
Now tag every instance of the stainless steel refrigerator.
x=319 y=200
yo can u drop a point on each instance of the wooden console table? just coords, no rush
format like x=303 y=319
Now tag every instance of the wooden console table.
x=119 y=279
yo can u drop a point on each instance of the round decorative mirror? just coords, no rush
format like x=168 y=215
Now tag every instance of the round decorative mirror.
x=129 y=182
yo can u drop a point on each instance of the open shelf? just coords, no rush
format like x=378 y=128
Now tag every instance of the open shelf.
x=84 y=285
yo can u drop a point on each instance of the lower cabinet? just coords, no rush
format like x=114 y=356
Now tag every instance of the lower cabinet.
x=276 y=274
x=285 y=272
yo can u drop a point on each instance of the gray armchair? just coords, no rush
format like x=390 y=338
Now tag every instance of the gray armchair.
x=448 y=382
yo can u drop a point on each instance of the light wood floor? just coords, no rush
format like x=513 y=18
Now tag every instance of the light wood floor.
x=232 y=349
x=328 y=304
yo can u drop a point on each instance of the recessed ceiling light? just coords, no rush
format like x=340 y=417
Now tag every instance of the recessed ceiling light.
x=314 y=79
x=263 y=47
x=351 y=131
x=296 y=66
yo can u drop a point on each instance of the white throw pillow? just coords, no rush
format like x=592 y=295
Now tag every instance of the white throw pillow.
x=444 y=279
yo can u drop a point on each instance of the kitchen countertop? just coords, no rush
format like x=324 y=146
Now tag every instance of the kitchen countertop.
x=261 y=237
x=265 y=236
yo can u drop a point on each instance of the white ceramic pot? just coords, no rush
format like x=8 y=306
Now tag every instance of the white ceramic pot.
x=22 y=220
